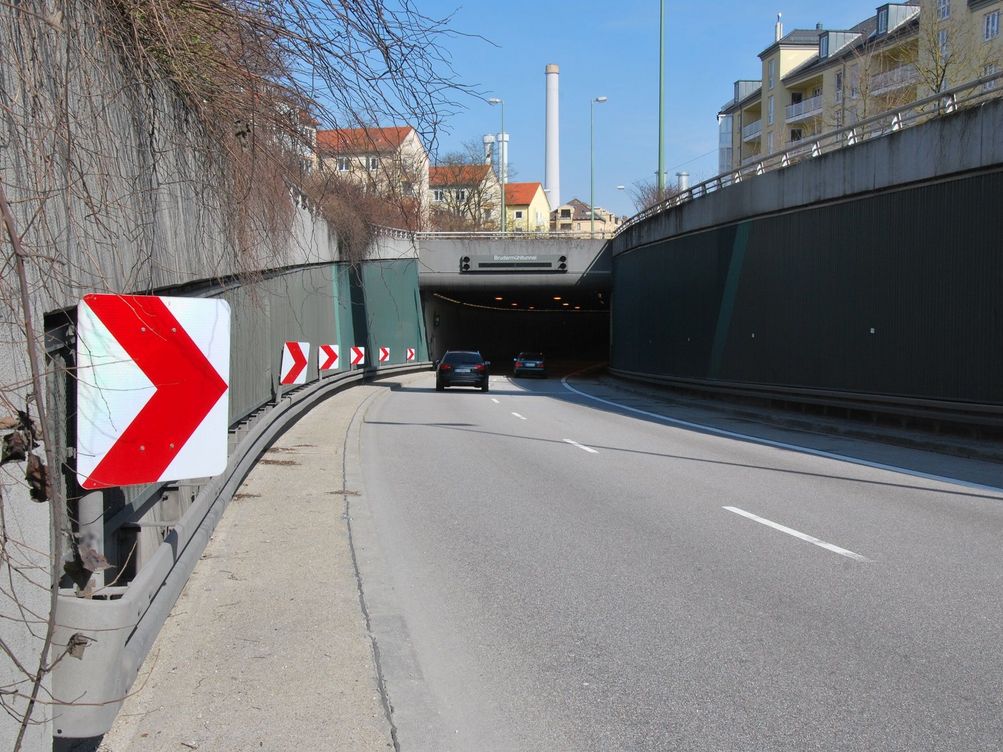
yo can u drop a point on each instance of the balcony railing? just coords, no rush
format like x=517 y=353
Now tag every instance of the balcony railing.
x=752 y=131
x=904 y=75
x=805 y=108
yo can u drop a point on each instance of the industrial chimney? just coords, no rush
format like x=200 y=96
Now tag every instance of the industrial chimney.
x=780 y=26
x=489 y=148
x=552 y=172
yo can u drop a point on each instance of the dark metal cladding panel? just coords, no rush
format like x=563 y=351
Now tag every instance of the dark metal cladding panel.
x=895 y=294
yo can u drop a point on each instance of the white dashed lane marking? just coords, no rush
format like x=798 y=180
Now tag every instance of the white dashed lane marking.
x=584 y=448
x=802 y=536
x=520 y=417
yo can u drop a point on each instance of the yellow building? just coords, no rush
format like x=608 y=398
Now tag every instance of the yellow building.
x=819 y=80
x=526 y=208
x=575 y=217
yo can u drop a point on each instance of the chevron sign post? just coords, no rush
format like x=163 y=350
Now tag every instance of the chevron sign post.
x=409 y=357
x=327 y=357
x=152 y=377
x=294 y=362
x=384 y=355
x=358 y=356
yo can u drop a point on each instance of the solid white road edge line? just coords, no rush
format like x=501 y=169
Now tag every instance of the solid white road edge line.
x=590 y=450
x=520 y=417
x=802 y=536
x=782 y=445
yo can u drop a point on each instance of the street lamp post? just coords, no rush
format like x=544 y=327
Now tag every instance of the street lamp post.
x=592 y=164
x=501 y=149
x=660 y=181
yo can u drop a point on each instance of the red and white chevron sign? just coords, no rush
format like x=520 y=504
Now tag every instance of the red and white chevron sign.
x=327 y=357
x=410 y=355
x=294 y=362
x=384 y=355
x=152 y=376
x=358 y=355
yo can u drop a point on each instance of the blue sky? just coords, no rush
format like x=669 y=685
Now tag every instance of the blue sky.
x=611 y=49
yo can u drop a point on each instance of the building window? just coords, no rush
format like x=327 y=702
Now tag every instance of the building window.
x=565 y=225
x=992 y=25
x=343 y=165
x=771 y=111
x=943 y=42
x=565 y=213
x=883 y=21
x=796 y=134
x=438 y=195
x=943 y=9
x=839 y=119
x=823 y=46
x=990 y=70
x=461 y=194
x=772 y=66
x=373 y=163
x=518 y=214
x=769 y=143
x=854 y=82
x=839 y=86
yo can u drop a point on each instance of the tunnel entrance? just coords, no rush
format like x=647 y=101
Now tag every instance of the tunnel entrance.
x=570 y=326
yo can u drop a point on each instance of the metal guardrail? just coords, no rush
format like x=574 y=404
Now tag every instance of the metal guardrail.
x=890 y=121
x=115 y=636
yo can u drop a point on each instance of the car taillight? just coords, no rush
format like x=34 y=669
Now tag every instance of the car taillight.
x=480 y=368
x=518 y=364
x=445 y=367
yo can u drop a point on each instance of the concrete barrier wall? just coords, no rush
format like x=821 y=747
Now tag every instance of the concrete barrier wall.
x=872 y=270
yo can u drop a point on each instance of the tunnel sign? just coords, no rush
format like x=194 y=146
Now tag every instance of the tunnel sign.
x=384 y=355
x=152 y=376
x=358 y=355
x=294 y=362
x=410 y=355
x=327 y=357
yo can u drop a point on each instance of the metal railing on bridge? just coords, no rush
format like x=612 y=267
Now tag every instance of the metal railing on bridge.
x=916 y=113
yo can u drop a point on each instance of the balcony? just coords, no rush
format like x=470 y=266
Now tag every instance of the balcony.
x=752 y=131
x=804 y=109
x=896 y=78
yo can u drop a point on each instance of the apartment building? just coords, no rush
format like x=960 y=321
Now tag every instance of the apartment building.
x=818 y=80
x=464 y=196
x=389 y=161
x=575 y=217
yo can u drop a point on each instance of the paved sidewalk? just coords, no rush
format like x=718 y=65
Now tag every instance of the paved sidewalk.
x=267 y=648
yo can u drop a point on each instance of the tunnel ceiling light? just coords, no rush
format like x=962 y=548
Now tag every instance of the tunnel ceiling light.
x=499 y=297
x=514 y=305
x=557 y=297
x=578 y=308
x=565 y=304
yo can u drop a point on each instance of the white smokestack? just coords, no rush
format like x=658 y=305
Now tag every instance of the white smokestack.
x=503 y=157
x=683 y=181
x=552 y=173
x=489 y=148
x=780 y=26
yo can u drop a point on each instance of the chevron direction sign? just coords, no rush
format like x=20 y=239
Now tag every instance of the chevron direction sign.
x=409 y=356
x=384 y=355
x=358 y=355
x=327 y=357
x=152 y=378
x=294 y=362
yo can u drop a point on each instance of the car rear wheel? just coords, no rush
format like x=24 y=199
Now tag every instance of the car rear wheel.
x=485 y=387
x=439 y=387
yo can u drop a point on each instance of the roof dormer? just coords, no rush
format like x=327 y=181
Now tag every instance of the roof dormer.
x=831 y=42
x=892 y=15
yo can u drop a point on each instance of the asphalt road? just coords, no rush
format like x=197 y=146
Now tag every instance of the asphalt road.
x=567 y=576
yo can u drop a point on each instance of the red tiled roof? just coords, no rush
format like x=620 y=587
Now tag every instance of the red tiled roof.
x=461 y=174
x=521 y=194
x=362 y=140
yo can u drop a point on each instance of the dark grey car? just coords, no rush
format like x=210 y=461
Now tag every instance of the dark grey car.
x=462 y=368
x=529 y=363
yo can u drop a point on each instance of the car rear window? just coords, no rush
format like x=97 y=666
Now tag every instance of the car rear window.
x=461 y=357
x=531 y=356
